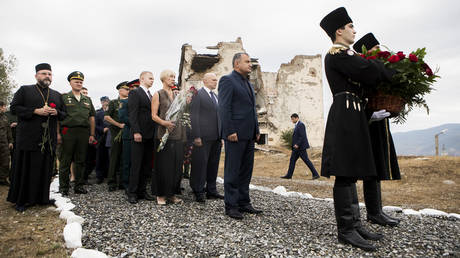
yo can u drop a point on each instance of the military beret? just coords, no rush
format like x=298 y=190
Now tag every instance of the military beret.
x=133 y=83
x=335 y=20
x=123 y=85
x=368 y=40
x=42 y=66
x=104 y=98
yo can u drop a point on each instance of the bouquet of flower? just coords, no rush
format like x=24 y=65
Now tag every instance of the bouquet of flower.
x=178 y=112
x=413 y=79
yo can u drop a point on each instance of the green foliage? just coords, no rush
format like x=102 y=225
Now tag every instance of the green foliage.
x=412 y=81
x=286 y=137
x=7 y=84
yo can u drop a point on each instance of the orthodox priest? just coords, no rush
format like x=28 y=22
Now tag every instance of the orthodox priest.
x=347 y=150
x=386 y=161
x=38 y=108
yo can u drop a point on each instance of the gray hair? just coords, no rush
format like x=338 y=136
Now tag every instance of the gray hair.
x=237 y=57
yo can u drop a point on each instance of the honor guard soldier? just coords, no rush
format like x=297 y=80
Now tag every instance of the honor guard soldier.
x=386 y=161
x=77 y=131
x=347 y=150
x=111 y=116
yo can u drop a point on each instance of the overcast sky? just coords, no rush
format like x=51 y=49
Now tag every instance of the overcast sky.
x=113 y=41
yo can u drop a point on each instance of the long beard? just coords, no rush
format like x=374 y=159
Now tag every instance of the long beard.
x=44 y=83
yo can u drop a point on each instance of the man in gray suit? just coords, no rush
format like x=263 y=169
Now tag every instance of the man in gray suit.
x=206 y=140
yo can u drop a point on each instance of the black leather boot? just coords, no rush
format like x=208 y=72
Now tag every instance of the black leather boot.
x=379 y=190
x=357 y=218
x=373 y=205
x=347 y=233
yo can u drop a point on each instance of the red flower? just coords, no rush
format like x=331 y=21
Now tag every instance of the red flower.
x=95 y=142
x=193 y=90
x=429 y=72
x=393 y=59
x=371 y=57
x=401 y=55
x=64 y=130
x=52 y=105
x=425 y=66
x=384 y=54
x=413 y=58
x=362 y=55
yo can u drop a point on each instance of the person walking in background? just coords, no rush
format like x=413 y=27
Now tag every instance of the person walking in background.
x=240 y=128
x=78 y=129
x=143 y=132
x=32 y=167
x=169 y=160
x=206 y=139
x=299 y=148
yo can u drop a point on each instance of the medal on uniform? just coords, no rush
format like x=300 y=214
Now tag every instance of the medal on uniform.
x=359 y=106
x=354 y=105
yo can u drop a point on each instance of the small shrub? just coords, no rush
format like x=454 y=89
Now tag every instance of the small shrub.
x=286 y=137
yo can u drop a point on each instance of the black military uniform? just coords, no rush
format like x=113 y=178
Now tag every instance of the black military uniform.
x=75 y=130
x=116 y=161
x=33 y=161
x=347 y=152
x=385 y=158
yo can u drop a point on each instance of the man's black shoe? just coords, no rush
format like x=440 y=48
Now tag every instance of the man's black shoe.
x=200 y=198
x=367 y=234
x=112 y=188
x=147 y=196
x=354 y=238
x=249 y=209
x=132 y=199
x=80 y=190
x=99 y=181
x=315 y=177
x=214 y=196
x=286 y=177
x=381 y=220
x=234 y=213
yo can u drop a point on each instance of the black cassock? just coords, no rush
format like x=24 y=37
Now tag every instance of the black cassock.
x=347 y=149
x=32 y=168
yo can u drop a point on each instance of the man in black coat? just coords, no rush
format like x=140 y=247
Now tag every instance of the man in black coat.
x=206 y=139
x=299 y=148
x=347 y=150
x=240 y=128
x=386 y=161
x=143 y=132
x=38 y=108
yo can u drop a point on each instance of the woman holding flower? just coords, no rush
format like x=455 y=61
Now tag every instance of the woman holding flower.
x=168 y=160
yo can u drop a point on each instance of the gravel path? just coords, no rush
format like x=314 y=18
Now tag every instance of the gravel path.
x=289 y=227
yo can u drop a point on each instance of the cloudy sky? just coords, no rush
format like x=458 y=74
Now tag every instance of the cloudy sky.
x=112 y=41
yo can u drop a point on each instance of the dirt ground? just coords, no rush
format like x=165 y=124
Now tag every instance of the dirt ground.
x=422 y=184
x=35 y=233
x=38 y=231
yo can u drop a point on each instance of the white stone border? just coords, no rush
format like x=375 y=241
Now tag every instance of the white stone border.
x=73 y=229
x=281 y=190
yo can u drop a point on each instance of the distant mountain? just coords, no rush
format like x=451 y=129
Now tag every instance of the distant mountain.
x=421 y=142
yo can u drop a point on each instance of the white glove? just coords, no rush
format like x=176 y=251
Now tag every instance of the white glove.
x=379 y=115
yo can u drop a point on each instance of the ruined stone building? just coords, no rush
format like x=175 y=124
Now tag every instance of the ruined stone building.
x=295 y=88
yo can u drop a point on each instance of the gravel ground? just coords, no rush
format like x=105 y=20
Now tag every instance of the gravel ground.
x=289 y=227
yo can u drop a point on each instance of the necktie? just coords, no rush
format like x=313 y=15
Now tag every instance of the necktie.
x=213 y=97
x=150 y=95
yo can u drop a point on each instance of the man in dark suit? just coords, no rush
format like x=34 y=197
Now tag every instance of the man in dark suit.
x=207 y=141
x=240 y=127
x=143 y=131
x=299 y=148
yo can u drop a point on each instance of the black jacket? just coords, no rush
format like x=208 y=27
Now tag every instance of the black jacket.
x=140 y=114
x=299 y=137
x=205 y=117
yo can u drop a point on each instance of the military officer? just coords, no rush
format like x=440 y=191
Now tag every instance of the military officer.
x=77 y=130
x=347 y=150
x=383 y=149
x=111 y=116
x=6 y=144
